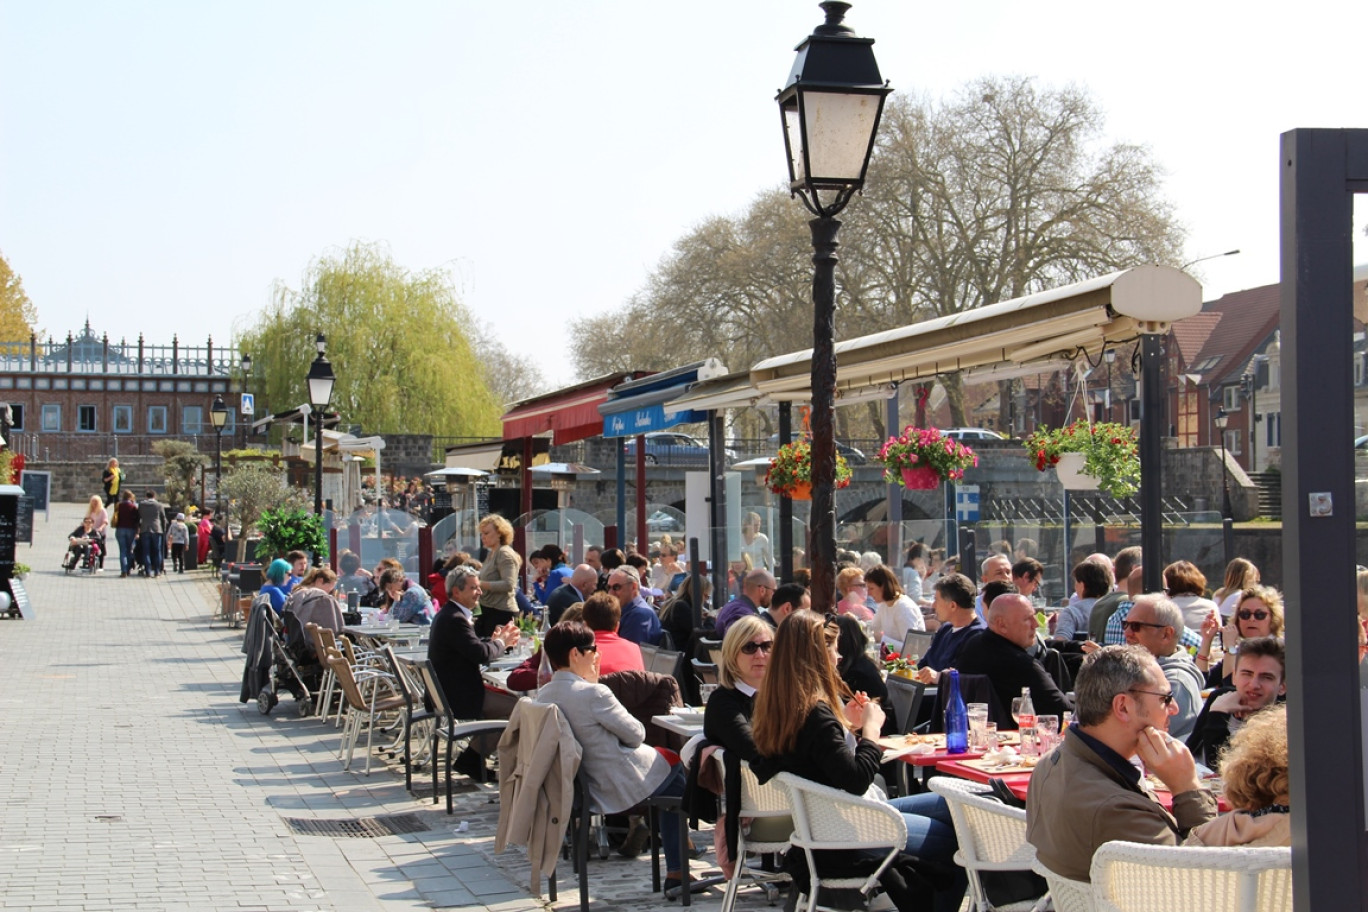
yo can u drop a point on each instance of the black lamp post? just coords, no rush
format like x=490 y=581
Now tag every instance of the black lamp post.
x=321 y=380
x=218 y=414
x=830 y=109
x=1227 y=520
x=246 y=372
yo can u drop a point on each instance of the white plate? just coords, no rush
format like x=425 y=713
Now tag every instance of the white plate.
x=687 y=714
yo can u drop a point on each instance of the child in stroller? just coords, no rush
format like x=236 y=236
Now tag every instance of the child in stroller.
x=83 y=548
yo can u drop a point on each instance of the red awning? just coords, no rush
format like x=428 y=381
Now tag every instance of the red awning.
x=569 y=414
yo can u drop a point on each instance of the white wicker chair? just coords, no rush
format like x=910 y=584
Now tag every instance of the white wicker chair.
x=991 y=835
x=757 y=801
x=1069 y=895
x=1131 y=877
x=828 y=818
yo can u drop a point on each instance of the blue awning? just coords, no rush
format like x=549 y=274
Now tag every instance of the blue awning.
x=638 y=406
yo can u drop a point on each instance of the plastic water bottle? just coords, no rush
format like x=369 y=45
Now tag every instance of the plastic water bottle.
x=956 y=719
x=1026 y=723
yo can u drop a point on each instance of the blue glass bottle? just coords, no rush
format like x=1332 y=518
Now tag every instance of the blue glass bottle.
x=956 y=719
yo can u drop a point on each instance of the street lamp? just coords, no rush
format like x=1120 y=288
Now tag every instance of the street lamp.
x=830 y=109
x=246 y=372
x=321 y=380
x=1227 y=521
x=218 y=415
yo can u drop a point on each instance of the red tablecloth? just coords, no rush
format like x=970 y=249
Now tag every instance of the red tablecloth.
x=1019 y=783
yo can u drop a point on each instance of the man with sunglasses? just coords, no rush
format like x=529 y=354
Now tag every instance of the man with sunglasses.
x=1154 y=623
x=1089 y=790
x=757 y=588
x=639 y=622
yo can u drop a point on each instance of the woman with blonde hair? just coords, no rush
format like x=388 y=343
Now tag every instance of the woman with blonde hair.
x=755 y=544
x=854 y=594
x=99 y=519
x=1257 y=785
x=498 y=576
x=1240 y=574
x=1259 y=614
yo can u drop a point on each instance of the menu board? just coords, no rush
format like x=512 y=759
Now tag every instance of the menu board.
x=8 y=529
x=23 y=520
x=38 y=485
x=21 y=603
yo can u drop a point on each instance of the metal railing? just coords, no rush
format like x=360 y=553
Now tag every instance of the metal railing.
x=70 y=447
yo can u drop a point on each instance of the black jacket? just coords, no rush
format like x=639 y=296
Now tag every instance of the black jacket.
x=456 y=654
x=1011 y=668
x=561 y=598
x=727 y=723
x=821 y=754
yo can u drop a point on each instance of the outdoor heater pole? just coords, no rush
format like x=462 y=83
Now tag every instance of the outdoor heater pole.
x=1152 y=411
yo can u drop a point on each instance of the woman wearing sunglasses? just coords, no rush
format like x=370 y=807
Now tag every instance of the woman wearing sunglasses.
x=1259 y=614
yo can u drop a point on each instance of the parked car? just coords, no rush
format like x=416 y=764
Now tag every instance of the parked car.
x=969 y=435
x=668 y=448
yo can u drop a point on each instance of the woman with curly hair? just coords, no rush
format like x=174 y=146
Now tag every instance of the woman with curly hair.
x=498 y=575
x=1254 y=767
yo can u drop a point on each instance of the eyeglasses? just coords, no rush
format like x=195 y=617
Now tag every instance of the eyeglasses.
x=1165 y=698
x=1258 y=615
x=751 y=649
x=1134 y=626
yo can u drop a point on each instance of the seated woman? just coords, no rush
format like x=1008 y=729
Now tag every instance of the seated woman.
x=100 y=517
x=854 y=594
x=277 y=573
x=408 y=604
x=312 y=601
x=1254 y=767
x=856 y=670
x=801 y=727
x=79 y=543
x=621 y=770
x=1259 y=614
x=677 y=615
x=896 y=613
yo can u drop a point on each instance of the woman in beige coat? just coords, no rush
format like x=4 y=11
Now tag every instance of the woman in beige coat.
x=498 y=576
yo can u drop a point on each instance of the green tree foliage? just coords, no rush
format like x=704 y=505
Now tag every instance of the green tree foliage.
x=17 y=314
x=181 y=465
x=398 y=342
x=291 y=529
x=1005 y=189
x=251 y=488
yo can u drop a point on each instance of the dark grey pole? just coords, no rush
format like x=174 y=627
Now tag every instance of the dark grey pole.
x=822 y=525
x=785 y=503
x=318 y=477
x=1320 y=170
x=895 y=541
x=621 y=514
x=218 y=471
x=717 y=510
x=1152 y=395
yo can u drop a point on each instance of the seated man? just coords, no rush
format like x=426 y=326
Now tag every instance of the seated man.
x=639 y=622
x=1092 y=580
x=622 y=771
x=602 y=615
x=1088 y=791
x=959 y=623
x=994 y=569
x=583 y=581
x=787 y=599
x=757 y=588
x=1126 y=560
x=79 y=543
x=1000 y=652
x=1259 y=681
x=1154 y=623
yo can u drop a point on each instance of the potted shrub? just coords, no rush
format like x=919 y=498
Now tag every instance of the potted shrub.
x=1104 y=456
x=287 y=529
x=921 y=458
x=790 y=471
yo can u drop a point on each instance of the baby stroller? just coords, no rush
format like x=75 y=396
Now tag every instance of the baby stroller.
x=82 y=556
x=279 y=657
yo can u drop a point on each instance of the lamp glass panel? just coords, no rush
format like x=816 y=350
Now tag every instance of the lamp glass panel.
x=793 y=133
x=320 y=390
x=839 y=128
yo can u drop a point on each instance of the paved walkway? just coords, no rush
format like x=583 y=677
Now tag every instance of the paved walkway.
x=131 y=777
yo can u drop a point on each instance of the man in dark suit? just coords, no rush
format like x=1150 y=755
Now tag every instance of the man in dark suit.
x=456 y=654
x=582 y=582
x=1000 y=653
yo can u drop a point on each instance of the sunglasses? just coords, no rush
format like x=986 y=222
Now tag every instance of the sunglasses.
x=751 y=649
x=1165 y=698
x=615 y=587
x=1135 y=626
x=1252 y=615
x=587 y=648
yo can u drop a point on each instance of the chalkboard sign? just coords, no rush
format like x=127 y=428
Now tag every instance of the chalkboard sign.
x=23 y=521
x=9 y=503
x=38 y=485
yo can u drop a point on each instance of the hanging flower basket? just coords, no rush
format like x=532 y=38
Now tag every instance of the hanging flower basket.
x=921 y=458
x=1109 y=452
x=921 y=478
x=790 y=471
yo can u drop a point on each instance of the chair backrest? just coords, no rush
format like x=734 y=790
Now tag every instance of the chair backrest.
x=713 y=648
x=916 y=643
x=343 y=670
x=991 y=834
x=328 y=638
x=974 y=689
x=1129 y=877
x=440 y=704
x=906 y=696
x=666 y=662
x=828 y=818
x=648 y=654
x=401 y=677
x=1069 y=895
x=706 y=672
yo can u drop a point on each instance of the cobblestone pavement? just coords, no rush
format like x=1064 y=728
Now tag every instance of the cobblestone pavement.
x=133 y=778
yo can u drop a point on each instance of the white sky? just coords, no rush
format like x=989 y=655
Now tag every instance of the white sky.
x=163 y=163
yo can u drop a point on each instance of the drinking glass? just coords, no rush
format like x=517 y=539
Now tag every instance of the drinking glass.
x=1016 y=710
x=978 y=718
x=705 y=691
x=990 y=737
x=1047 y=733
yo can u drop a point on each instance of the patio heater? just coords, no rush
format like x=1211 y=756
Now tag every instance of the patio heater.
x=830 y=109
x=321 y=380
x=218 y=415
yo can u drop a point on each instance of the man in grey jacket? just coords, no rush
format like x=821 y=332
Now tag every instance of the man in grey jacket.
x=1154 y=623
x=151 y=534
x=1089 y=791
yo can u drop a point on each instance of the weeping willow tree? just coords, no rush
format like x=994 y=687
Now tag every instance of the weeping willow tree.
x=397 y=340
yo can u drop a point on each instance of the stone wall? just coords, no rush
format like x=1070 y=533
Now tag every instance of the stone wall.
x=407 y=455
x=75 y=482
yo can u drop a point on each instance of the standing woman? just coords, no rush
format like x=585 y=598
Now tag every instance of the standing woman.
x=99 y=524
x=205 y=530
x=112 y=479
x=498 y=576
x=756 y=544
x=126 y=530
x=896 y=613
